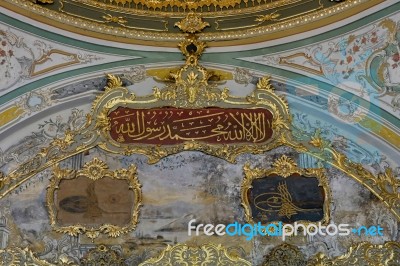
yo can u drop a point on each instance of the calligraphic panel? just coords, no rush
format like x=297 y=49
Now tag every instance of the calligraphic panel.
x=290 y=199
x=87 y=202
x=169 y=126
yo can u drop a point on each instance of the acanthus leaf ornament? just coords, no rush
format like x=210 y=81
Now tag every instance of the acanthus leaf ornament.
x=206 y=254
x=192 y=23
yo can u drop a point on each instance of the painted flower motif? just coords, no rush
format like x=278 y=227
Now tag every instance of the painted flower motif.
x=4 y=43
x=2 y=52
x=364 y=40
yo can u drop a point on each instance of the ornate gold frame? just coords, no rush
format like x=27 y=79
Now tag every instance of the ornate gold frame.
x=285 y=167
x=95 y=169
x=186 y=90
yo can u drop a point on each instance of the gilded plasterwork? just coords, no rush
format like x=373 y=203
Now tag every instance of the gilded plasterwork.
x=191 y=87
x=233 y=21
x=278 y=202
x=363 y=253
x=93 y=200
x=283 y=255
x=207 y=254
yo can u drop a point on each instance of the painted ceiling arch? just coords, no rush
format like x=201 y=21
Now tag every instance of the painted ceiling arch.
x=340 y=80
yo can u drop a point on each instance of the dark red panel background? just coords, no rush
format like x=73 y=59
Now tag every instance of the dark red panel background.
x=168 y=126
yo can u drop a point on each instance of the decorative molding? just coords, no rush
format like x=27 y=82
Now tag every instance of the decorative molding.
x=363 y=253
x=102 y=255
x=19 y=256
x=94 y=170
x=214 y=11
x=207 y=254
x=285 y=255
x=192 y=23
x=192 y=88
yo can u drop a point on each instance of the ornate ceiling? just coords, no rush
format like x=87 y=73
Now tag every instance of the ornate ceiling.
x=336 y=63
x=153 y=22
x=58 y=51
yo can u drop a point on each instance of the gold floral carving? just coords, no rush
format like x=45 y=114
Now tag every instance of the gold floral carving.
x=192 y=23
x=283 y=255
x=94 y=170
x=19 y=256
x=363 y=253
x=207 y=254
x=285 y=167
x=102 y=255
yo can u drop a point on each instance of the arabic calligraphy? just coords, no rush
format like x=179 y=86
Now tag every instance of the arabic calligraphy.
x=290 y=199
x=170 y=126
x=280 y=202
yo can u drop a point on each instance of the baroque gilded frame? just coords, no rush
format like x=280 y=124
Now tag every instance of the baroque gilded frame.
x=385 y=186
x=94 y=170
x=285 y=167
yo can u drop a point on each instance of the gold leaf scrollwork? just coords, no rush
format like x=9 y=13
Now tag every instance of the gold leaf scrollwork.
x=102 y=255
x=119 y=20
x=113 y=82
x=284 y=254
x=316 y=142
x=19 y=256
x=265 y=84
x=267 y=17
x=207 y=254
x=363 y=253
x=94 y=170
